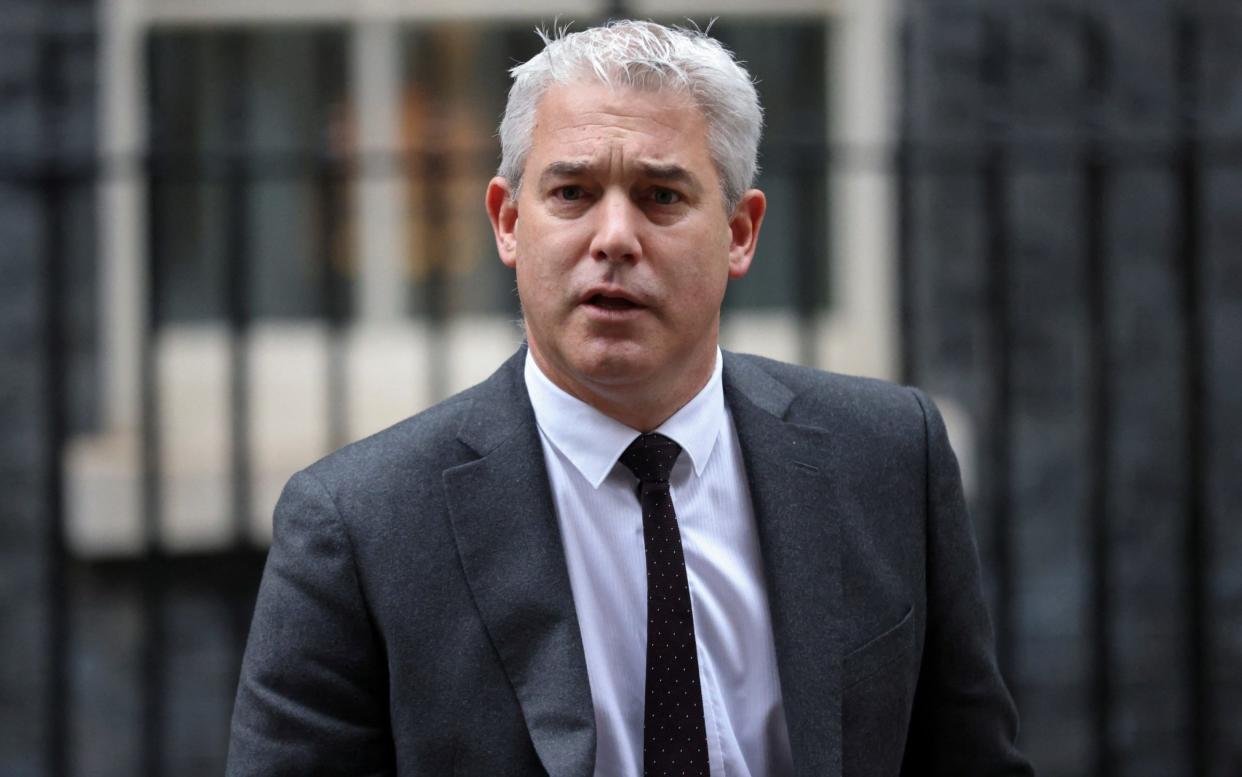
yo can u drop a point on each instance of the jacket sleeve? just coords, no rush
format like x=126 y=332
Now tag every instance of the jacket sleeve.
x=312 y=698
x=963 y=721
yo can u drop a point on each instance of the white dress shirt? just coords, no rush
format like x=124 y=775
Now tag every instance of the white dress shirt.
x=601 y=526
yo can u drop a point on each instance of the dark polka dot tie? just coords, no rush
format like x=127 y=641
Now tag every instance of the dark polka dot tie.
x=674 y=736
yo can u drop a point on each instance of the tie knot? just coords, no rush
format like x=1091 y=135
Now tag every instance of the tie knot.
x=651 y=458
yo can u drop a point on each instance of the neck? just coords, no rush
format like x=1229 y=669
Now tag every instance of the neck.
x=641 y=405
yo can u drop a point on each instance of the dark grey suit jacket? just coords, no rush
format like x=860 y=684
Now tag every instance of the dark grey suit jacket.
x=416 y=618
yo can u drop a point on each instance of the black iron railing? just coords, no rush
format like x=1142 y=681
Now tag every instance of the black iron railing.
x=1096 y=154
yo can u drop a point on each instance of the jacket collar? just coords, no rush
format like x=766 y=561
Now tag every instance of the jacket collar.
x=504 y=523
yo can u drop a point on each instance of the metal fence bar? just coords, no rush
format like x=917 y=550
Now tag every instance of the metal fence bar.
x=237 y=304
x=434 y=165
x=237 y=283
x=152 y=571
x=807 y=275
x=616 y=9
x=152 y=675
x=328 y=184
x=52 y=189
x=903 y=170
x=58 y=632
x=1099 y=420
x=152 y=672
x=995 y=174
x=1187 y=260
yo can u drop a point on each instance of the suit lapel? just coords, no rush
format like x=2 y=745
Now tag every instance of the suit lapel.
x=797 y=516
x=505 y=526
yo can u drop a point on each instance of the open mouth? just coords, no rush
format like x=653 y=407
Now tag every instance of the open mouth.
x=611 y=303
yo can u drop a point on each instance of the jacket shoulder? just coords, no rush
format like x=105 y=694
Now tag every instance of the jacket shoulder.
x=818 y=395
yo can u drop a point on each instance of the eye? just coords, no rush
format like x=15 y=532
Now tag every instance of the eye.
x=570 y=193
x=662 y=196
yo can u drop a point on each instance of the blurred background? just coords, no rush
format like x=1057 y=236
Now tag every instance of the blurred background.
x=238 y=234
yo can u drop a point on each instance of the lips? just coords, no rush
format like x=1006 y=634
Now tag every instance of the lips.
x=611 y=303
x=611 y=299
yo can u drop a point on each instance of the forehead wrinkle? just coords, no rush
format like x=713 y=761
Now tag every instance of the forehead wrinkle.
x=607 y=119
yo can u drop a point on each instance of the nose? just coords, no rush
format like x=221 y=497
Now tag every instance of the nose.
x=616 y=230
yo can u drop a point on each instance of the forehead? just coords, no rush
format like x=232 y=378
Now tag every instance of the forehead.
x=591 y=121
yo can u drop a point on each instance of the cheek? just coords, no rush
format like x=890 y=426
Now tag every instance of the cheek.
x=547 y=252
x=543 y=283
x=705 y=277
x=540 y=280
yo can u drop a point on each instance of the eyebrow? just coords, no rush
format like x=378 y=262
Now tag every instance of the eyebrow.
x=670 y=173
x=562 y=170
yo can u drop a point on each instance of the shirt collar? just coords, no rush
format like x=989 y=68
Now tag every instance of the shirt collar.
x=593 y=441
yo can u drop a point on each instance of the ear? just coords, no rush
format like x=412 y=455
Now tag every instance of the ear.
x=503 y=213
x=744 y=231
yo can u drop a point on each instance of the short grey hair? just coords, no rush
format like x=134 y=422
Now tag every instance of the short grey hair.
x=651 y=57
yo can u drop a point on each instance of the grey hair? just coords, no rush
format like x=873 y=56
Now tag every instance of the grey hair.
x=651 y=57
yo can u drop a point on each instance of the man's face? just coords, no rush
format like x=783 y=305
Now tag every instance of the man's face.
x=620 y=241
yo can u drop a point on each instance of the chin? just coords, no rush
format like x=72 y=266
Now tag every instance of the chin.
x=613 y=364
x=613 y=371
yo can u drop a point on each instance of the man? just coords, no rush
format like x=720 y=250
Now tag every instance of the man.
x=627 y=553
